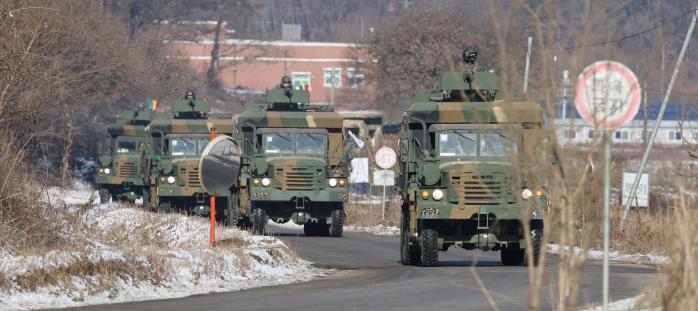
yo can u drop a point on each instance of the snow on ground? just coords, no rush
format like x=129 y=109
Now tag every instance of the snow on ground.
x=123 y=254
x=375 y=230
x=287 y=225
x=615 y=256
x=633 y=303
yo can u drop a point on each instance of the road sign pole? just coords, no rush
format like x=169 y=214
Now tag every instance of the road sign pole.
x=655 y=127
x=384 y=175
x=212 y=205
x=606 y=222
x=528 y=61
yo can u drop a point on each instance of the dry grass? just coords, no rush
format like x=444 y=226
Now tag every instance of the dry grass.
x=679 y=283
x=363 y=212
x=26 y=221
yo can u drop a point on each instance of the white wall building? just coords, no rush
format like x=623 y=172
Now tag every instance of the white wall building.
x=679 y=125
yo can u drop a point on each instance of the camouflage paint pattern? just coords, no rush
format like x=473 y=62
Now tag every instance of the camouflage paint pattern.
x=124 y=178
x=299 y=188
x=482 y=196
x=188 y=119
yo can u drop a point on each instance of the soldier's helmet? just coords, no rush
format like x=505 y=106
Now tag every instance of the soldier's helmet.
x=285 y=82
x=190 y=95
x=470 y=55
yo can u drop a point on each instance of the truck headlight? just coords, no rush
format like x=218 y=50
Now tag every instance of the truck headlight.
x=539 y=194
x=332 y=182
x=526 y=194
x=437 y=194
x=266 y=182
x=425 y=195
x=170 y=179
x=255 y=181
x=107 y=171
x=342 y=182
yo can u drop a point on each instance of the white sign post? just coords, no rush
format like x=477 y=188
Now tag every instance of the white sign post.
x=608 y=96
x=641 y=197
x=385 y=159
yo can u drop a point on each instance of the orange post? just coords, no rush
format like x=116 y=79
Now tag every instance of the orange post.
x=212 y=206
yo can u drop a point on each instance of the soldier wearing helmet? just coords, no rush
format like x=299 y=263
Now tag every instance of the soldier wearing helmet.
x=287 y=85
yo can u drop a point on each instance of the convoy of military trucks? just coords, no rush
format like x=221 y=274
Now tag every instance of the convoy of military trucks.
x=463 y=156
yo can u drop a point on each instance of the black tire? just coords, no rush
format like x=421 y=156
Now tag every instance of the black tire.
x=537 y=241
x=104 y=195
x=309 y=229
x=428 y=243
x=511 y=256
x=164 y=207
x=337 y=224
x=259 y=221
x=233 y=210
x=146 y=198
x=409 y=255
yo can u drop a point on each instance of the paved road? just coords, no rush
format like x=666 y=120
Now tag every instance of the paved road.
x=369 y=277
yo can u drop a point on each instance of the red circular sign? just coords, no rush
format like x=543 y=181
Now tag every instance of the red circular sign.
x=386 y=157
x=608 y=94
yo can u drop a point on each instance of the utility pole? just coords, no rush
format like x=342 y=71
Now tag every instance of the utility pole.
x=528 y=60
x=564 y=100
x=332 y=90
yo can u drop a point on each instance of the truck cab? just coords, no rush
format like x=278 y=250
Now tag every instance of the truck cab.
x=171 y=176
x=467 y=171
x=295 y=163
x=119 y=173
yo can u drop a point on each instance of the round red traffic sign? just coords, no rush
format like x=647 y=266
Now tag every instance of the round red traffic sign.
x=608 y=94
x=386 y=157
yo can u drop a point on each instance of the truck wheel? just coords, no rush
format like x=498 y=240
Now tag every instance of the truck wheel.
x=146 y=199
x=409 y=255
x=233 y=211
x=164 y=207
x=536 y=240
x=428 y=243
x=337 y=225
x=259 y=220
x=511 y=256
x=309 y=229
x=104 y=195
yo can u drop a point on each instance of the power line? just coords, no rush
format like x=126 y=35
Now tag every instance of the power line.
x=625 y=37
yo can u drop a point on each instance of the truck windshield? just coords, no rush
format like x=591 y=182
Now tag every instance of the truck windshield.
x=298 y=143
x=456 y=143
x=310 y=143
x=493 y=145
x=278 y=143
x=187 y=146
x=485 y=144
x=126 y=145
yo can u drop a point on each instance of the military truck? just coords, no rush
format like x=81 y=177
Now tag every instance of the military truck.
x=465 y=157
x=119 y=173
x=294 y=164
x=171 y=167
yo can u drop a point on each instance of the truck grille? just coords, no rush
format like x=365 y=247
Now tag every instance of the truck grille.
x=128 y=170
x=297 y=178
x=190 y=176
x=475 y=189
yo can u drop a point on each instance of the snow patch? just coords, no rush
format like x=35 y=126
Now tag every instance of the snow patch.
x=119 y=253
x=634 y=303
x=375 y=230
x=614 y=256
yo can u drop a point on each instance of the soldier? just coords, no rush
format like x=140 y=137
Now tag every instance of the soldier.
x=287 y=85
x=190 y=96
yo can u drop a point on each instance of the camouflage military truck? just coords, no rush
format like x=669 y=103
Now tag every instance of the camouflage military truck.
x=119 y=174
x=464 y=174
x=171 y=167
x=295 y=163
